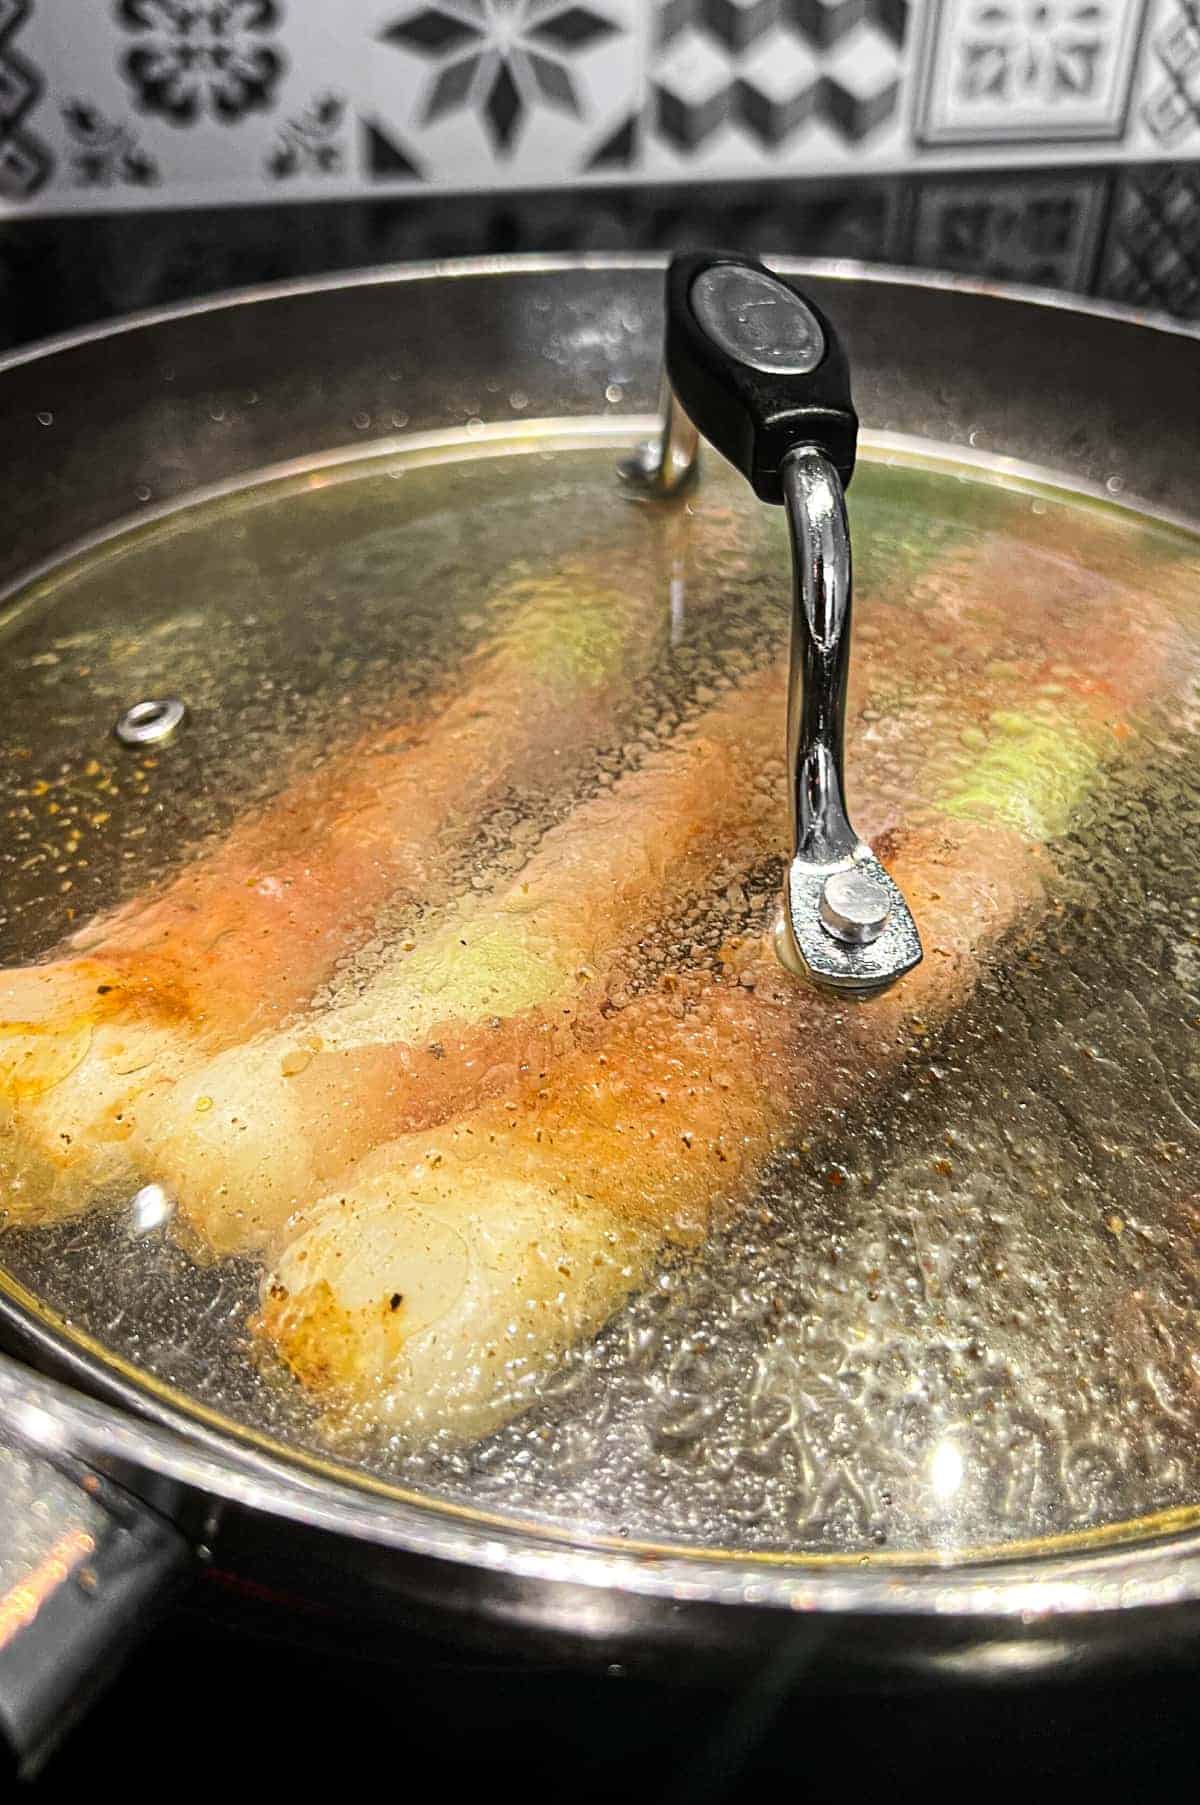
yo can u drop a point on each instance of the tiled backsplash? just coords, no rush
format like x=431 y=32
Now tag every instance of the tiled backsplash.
x=110 y=104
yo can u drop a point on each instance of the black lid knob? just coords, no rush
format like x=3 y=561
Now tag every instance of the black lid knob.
x=757 y=367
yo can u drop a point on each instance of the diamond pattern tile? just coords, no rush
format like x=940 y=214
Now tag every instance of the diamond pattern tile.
x=1152 y=252
x=788 y=83
x=1171 y=110
x=25 y=162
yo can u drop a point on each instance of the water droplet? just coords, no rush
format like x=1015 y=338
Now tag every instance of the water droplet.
x=142 y=492
x=149 y=1208
x=361 y=422
x=399 y=421
x=614 y=393
x=475 y=426
x=1115 y=484
x=45 y=417
x=518 y=399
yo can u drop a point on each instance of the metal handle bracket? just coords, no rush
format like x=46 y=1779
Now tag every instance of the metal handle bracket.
x=756 y=368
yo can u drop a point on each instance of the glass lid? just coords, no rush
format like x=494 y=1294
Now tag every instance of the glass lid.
x=396 y=1065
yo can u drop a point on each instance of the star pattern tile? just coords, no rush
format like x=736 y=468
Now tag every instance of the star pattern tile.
x=501 y=59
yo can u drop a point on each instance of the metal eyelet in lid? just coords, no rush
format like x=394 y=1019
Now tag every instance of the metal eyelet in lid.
x=149 y=723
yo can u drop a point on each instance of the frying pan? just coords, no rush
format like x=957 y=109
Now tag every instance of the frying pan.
x=116 y=1488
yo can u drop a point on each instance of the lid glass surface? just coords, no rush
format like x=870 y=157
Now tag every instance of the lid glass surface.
x=394 y=1058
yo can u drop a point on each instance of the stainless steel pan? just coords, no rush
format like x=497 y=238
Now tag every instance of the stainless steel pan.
x=114 y=1486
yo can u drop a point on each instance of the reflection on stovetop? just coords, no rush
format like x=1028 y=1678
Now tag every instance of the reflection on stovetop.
x=1130 y=235
x=246 y=1703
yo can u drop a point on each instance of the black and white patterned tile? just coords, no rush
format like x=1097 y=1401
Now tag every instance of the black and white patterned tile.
x=179 y=102
x=111 y=104
x=470 y=93
x=1039 y=227
x=774 y=86
x=1035 y=72
x=1151 y=254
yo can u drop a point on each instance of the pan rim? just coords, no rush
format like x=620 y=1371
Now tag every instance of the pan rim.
x=1147 y=1561
x=849 y=269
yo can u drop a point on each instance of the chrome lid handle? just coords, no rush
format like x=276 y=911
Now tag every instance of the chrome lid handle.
x=844 y=923
x=760 y=372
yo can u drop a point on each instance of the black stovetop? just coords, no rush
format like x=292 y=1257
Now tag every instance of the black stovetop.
x=215 y=1705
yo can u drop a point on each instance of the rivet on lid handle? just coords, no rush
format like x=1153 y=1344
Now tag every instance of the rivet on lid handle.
x=756 y=368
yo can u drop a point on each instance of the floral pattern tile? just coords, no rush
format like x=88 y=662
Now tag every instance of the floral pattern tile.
x=1037 y=227
x=1152 y=250
x=185 y=62
x=1040 y=71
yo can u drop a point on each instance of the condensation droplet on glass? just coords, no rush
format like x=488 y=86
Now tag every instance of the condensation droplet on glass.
x=361 y=422
x=399 y=421
x=45 y=418
x=614 y=393
x=149 y=1208
x=946 y=1469
x=142 y=492
x=942 y=1480
x=474 y=426
x=217 y=414
x=973 y=436
x=1115 y=484
x=518 y=399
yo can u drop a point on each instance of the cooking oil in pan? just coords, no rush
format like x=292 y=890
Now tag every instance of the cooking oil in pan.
x=697 y=1261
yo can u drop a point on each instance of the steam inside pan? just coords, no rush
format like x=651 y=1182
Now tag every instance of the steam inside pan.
x=395 y=1059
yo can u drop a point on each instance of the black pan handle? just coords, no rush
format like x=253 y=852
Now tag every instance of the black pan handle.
x=757 y=367
x=85 y=1568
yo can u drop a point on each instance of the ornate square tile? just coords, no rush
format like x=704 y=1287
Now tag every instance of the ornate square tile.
x=497 y=93
x=158 y=101
x=1036 y=227
x=1038 y=71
